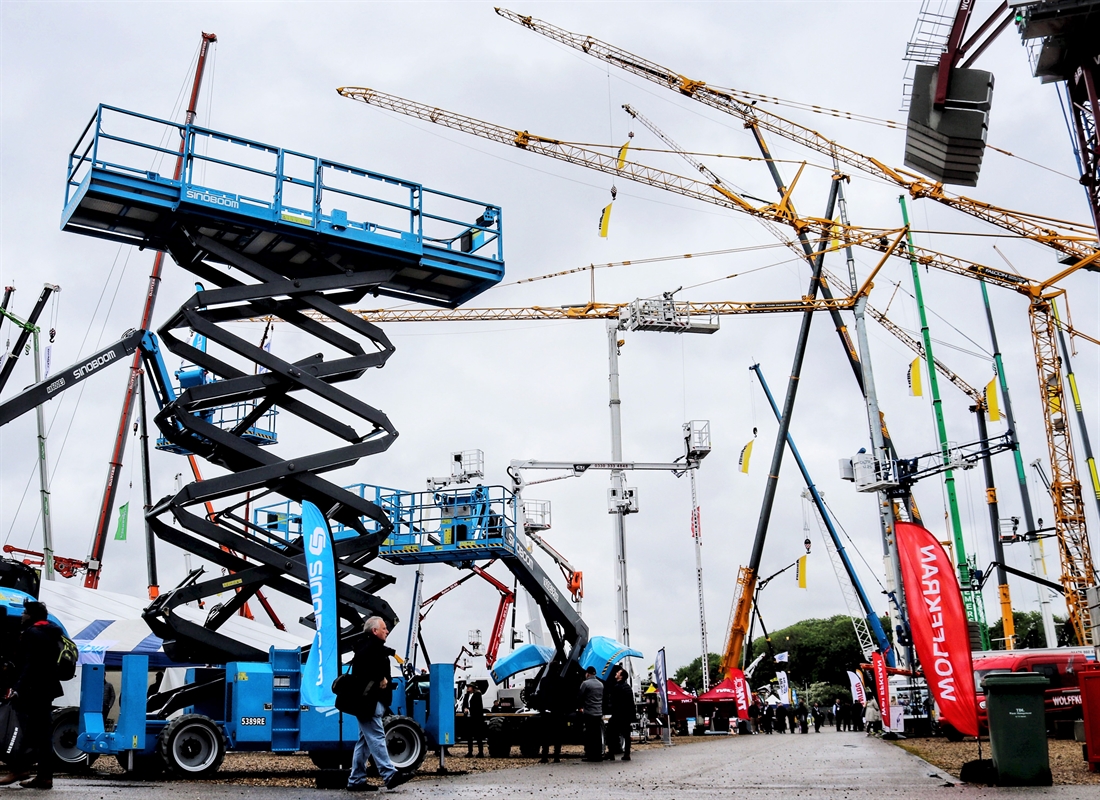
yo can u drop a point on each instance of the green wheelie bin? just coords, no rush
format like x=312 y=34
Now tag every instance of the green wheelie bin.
x=1017 y=728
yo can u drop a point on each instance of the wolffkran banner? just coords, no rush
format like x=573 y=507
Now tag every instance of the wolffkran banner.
x=740 y=693
x=938 y=620
x=882 y=687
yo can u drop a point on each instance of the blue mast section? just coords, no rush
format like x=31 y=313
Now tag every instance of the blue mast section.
x=869 y=612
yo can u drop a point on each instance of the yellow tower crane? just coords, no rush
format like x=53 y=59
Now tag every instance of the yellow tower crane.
x=1078 y=241
x=1077 y=568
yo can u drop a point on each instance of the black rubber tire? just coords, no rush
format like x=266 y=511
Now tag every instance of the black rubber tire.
x=145 y=766
x=530 y=738
x=67 y=757
x=332 y=759
x=498 y=738
x=191 y=746
x=406 y=742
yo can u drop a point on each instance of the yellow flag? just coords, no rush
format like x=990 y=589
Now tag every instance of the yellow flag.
x=605 y=219
x=914 y=379
x=991 y=406
x=802 y=572
x=622 y=155
x=746 y=454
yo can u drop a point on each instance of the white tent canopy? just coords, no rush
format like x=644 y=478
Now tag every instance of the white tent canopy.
x=107 y=626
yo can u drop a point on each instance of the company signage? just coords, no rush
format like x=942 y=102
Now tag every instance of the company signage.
x=938 y=621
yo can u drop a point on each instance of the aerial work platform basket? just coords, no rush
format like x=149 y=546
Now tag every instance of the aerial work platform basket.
x=457 y=526
x=300 y=214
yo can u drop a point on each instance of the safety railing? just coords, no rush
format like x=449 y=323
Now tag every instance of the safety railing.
x=451 y=519
x=251 y=178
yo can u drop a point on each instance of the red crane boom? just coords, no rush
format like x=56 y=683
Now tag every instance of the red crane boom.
x=114 y=468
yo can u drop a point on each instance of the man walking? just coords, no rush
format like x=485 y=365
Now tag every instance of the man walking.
x=590 y=704
x=371 y=669
x=623 y=714
x=474 y=711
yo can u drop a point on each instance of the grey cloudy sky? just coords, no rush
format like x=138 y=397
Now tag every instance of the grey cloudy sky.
x=539 y=390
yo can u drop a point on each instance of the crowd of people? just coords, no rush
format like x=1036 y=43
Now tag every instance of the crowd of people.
x=768 y=718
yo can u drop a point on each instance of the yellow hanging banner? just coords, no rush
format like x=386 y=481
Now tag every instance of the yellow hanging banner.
x=743 y=460
x=622 y=155
x=991 y=406
x=915 y=389
x=605 y=220
x=802 y=572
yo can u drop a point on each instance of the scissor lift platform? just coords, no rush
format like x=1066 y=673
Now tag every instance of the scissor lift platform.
x=297 y=214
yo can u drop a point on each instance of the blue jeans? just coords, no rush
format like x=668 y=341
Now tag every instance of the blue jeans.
x=372 y=738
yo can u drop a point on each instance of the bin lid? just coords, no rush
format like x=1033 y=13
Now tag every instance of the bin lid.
x=1009 y=681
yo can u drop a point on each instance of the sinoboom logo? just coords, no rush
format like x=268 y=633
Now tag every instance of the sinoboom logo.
x=94 y=364
x=213 y=199
x=317 y=542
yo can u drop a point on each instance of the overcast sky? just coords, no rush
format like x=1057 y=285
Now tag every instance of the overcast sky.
x=539 y=390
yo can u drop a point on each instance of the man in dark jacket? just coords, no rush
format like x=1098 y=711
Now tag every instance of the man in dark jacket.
x=35 y=687
x=474 y=710
x=371 y=669
x=590 y=704
x=623 y=713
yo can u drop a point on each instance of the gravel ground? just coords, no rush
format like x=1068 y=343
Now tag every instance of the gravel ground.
x=1066 y=764
x=297 y=771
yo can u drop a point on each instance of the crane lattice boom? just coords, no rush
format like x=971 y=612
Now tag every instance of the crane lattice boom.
x=840 y=235
x=1076 y=239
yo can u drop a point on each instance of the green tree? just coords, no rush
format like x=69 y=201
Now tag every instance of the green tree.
x=691 y=676
x=1067 y=636
x=818 y=651
x=1029 y=630
x=826 y=693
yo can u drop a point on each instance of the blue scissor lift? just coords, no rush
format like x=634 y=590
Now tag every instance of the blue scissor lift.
x=296 y=237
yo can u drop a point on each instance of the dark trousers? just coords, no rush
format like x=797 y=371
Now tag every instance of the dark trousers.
x=618 y=736
x=593 y=737
x=476 y=733
x=552 y=725
x=36 y=718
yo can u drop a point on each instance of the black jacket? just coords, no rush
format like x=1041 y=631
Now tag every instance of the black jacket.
x=39 y=648
x=369 y=666
x=474 y=704
x=621 y=701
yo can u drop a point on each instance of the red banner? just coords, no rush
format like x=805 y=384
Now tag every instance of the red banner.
x=938 y=622
x=741 y=693
x=882 y=687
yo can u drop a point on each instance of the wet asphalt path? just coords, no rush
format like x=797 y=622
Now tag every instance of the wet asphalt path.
x=826 y=765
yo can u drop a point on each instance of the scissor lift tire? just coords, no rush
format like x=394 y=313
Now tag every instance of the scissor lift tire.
x=192 y=746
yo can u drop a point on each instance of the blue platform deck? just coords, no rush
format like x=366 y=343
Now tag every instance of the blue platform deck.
x=301 y=215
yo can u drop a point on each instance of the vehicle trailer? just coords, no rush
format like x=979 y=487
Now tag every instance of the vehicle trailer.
x=1059 y=665
x=250 y=706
